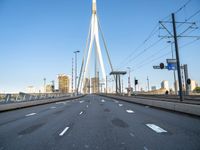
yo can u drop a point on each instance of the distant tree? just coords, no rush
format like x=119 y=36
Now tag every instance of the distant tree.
x=197 y=89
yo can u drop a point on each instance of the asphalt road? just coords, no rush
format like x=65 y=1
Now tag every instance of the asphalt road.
x=95 y=122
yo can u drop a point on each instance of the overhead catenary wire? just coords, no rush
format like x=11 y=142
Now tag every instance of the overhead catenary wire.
x=126 y=59
x=183 y=6
x=159 y=57
x=130 y=57
x=152 y=56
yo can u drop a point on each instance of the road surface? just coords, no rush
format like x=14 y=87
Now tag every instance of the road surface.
x=97 y=123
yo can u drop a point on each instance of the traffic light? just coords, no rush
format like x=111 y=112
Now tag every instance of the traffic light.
x=162 y=65
x=136 y=82
x=188 y=81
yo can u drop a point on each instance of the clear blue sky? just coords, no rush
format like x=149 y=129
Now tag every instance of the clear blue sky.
x=38 y=37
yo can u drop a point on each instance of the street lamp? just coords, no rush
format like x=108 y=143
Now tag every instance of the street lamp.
x=75 y=52
x=148 y=83
x=44 y=85
x=175 y=87
x=129 y=82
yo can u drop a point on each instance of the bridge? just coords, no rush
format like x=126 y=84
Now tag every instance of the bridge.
x=93 y=119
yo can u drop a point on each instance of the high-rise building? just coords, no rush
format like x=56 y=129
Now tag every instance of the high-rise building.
x=86 y=88
x=95 y=84
x=193 y=85
x=31 y=89
x=63 y=83
x=153 y=88
x=165 y=85
x=49 y=88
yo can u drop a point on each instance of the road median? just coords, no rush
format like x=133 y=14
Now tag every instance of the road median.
x=191 y=109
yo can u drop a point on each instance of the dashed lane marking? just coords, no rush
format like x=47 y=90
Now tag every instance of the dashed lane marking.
x=31 y=114
x=53 y=107
x=102 y=100
x=130 y=111
x=81 y=101
x=80 y=113
x=156 y=128
x=120 y=105
x=63 y=132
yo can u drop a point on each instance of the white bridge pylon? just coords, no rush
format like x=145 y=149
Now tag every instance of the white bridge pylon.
x=93 y=40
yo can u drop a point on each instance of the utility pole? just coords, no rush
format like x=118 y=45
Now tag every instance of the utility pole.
x=186 y=78
x=76 y=90
x=177 y=58
x=174 y=71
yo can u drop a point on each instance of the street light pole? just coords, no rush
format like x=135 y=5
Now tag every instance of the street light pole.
x=76 y=90
x=129 y=82
x=44 y=85
x=148 y=83
x=175 y=86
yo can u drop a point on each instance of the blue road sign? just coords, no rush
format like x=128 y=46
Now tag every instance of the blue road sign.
x=171 y=66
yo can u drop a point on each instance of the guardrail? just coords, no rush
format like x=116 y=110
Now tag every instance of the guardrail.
x=31 y=103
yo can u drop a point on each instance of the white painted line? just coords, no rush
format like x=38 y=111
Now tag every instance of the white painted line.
x=116 y=101
x=131 y=134
x=102 y=100
x=81 y=101
x=31 y=114
x=63 y=132
x=120 y=105
x=156 y=128
x=61 y=103
x=80 y=113
x=53 y=107
x=145 y=148
x=130 y=111
x=87 y=106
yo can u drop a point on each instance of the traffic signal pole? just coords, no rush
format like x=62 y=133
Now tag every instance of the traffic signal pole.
x=177 y=58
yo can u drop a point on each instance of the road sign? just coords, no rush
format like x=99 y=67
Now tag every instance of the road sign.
x=158 y=67
x=171 y=66
x=171 y=61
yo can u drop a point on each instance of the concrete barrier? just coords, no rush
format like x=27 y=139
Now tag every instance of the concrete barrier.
x=191 y=109
x=13 y=106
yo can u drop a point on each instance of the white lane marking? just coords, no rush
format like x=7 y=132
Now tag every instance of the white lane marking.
x=80 y=113
x=81 y=101
x=156 y=128
x=120 y=105
x=63 y=132
x=31 y=114
x=102 y=100
x=87 y=106
x=61 y=103
x=116 y=101
x=130 y=111
x=53 y=107
x=131 y=134
x=145 y=148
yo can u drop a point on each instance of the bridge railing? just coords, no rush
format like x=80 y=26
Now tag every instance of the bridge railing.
x=24 y=97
